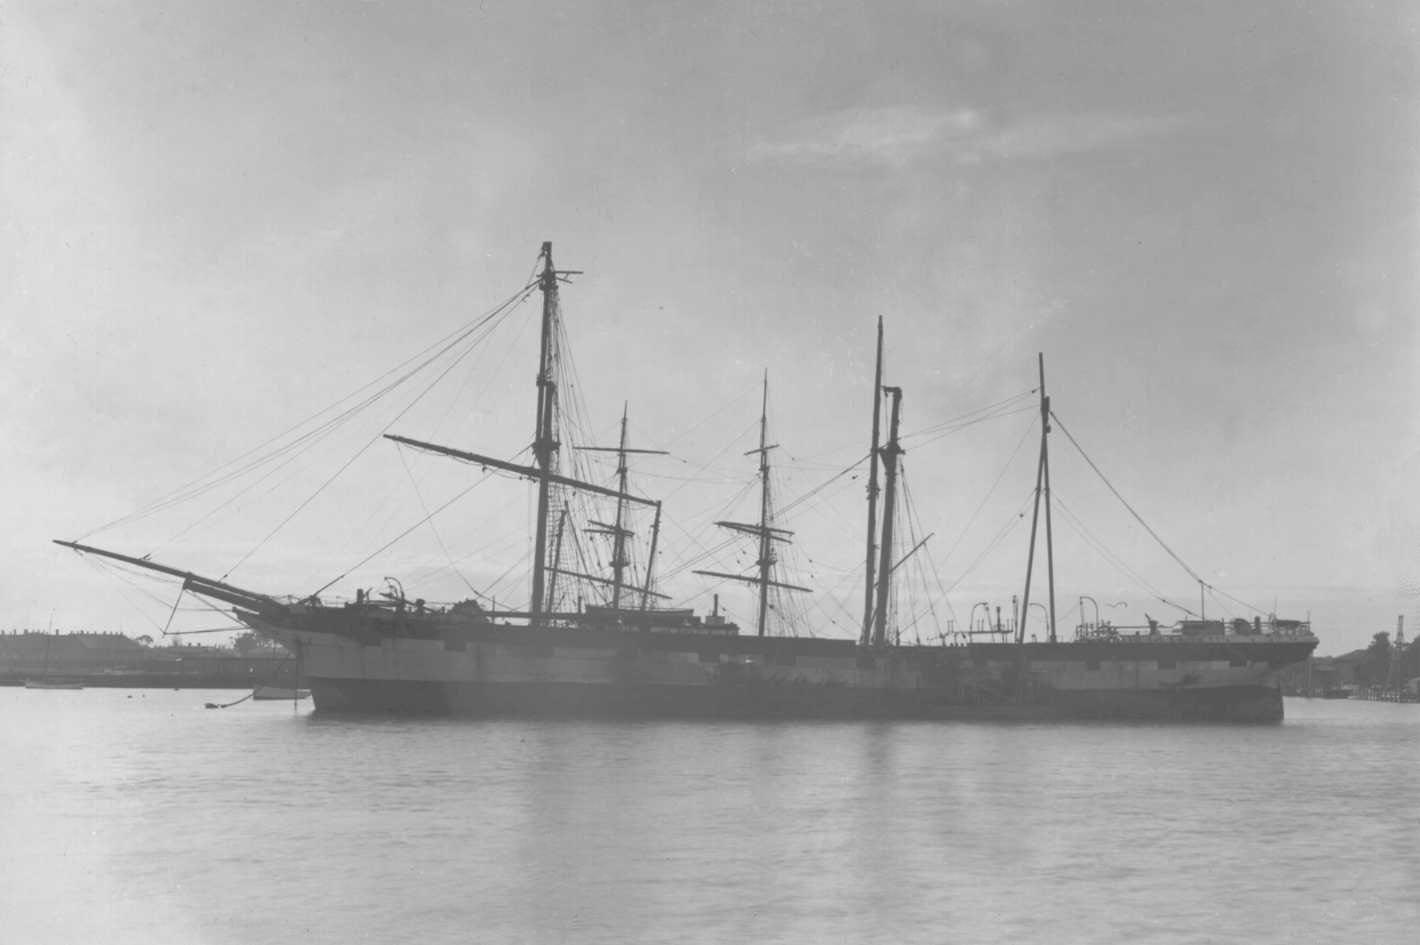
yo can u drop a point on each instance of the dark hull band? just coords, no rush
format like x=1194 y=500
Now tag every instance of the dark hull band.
x=1249 y=704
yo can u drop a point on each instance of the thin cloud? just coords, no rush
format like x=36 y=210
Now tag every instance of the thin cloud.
x=892 y=135
x=898 y=135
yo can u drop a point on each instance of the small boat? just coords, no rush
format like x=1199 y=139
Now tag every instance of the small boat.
x=278 y=692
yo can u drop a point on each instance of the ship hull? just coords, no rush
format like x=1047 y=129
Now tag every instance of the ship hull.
x=368 y=661
x=552 y=700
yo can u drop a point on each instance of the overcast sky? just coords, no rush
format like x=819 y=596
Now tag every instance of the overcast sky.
x=220 y=217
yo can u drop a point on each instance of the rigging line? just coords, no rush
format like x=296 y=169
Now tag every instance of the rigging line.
x=914 y=528
x=710 y=553
x=1078 y=524
x=931 y=560
x=702 y=519
x=824 y=485
x=798 y=464
x=196 y=486
x=916 y=617
x=703 y=481
x=304 y=441
x=399 y=449
x=937 y=576
x=347 y=464
x=723 y=450
x=1030 y=428
x=308 y=439
x=834 y=595
x=1137 y=517
x=939 y=431
x=721 y=512
x=208 y=605
x=1235 y=600
x=686 y=602
x=1098 y=545
x=914 y=525
x=122 y=576
x=931 y=609
x=389 y=544
x=507 y=571
x=1226 y=609
x=490 y=379
x=971 y=413
x=1016 y=516
x=679 y=567
x=1024 y=408
x=173 y=613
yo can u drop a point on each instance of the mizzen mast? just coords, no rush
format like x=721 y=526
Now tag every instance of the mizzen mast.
x=1042 y=490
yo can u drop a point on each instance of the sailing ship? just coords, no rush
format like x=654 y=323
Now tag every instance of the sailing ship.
x=628 y=658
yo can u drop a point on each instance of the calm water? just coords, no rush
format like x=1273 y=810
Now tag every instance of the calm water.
x=140 y=817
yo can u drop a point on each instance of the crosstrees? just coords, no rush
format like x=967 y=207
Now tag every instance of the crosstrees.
x=766 y=533
x=618 y=531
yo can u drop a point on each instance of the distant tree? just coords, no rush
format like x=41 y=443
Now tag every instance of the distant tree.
x=1376 y=667
x=1409 y=659
x=245 y=643
x=144 y=640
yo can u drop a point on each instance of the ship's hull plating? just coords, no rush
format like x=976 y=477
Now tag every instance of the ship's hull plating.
x=372 y=662
x=588 y=700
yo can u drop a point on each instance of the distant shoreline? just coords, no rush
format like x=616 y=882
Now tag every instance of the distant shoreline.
x=144 y=681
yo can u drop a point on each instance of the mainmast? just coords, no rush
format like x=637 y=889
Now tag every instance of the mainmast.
x=763 y=531
x=619 y=531
x=890 y=454
x=873 y=493
x=1042 y=488
x=545 y=438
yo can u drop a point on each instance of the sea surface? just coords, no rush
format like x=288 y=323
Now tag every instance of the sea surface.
x=139 y=816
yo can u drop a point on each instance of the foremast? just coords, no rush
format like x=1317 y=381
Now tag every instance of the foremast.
x=544 y=470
